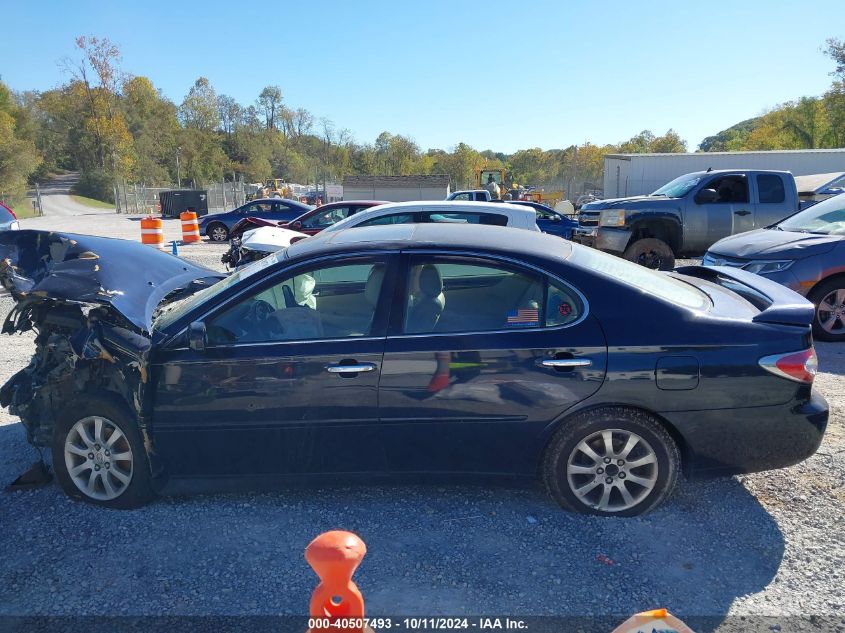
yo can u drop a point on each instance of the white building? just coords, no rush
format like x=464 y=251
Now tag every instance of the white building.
x=396 y=188
x=638 y=174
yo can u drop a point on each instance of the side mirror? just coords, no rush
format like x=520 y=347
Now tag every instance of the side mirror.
x=197 y=336
x=296 y=226
x=706 y=196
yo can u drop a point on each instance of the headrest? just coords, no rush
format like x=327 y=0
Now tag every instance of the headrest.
x=431 y=283
x=374 y=281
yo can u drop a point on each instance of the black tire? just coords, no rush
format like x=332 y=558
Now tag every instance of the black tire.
x=581 y=427
x=215 y=233
x=651 y=253
x=817 y=296
x=139 y=490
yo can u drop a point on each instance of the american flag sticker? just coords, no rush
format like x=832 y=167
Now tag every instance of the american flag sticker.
x=524 y=316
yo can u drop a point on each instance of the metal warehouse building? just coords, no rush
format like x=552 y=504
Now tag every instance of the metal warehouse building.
x=638 y=174
x=396 y=188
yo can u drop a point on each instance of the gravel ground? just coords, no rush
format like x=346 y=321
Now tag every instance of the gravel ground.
x=763 y=544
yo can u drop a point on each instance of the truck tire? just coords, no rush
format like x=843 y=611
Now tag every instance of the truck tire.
x=651 y=253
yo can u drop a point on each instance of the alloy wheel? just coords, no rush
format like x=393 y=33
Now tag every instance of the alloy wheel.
x=831 y=312
x=219 y=233
x=98 y=458
x=612 y=470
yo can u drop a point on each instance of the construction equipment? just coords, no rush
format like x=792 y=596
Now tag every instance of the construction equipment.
x=549 y=198
x=483 y=177
x=276 y=188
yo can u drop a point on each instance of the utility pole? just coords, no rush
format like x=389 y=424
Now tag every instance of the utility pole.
x=178 y=172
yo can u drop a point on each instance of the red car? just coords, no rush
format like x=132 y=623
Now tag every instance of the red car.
x=311 y=222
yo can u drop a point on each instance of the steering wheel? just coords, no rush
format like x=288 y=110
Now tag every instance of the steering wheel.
x=259 y=323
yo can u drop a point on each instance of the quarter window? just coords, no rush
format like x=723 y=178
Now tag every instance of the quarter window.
x=328 y=302
x=771 y=188
x=456 y=295
x=397 y=218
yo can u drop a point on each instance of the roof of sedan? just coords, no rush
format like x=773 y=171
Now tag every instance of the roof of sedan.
x=435 y=235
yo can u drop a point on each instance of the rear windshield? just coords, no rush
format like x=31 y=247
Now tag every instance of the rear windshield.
x=655 y=283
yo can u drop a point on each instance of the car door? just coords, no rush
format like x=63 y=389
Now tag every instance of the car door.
x=731 y=212
x=288 y=380
x=482 y=355
x=771 y=199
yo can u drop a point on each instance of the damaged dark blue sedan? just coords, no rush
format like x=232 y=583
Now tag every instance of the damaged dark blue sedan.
x=412 y=350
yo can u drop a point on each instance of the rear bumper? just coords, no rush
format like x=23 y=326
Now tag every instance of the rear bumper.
x=612 y=240
x=728 y=442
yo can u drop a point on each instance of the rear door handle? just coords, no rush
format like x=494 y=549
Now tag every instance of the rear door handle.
x=350 y=369
x=742 y=212
x=566 y=363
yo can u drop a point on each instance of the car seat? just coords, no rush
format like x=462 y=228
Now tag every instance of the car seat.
x=427 y=305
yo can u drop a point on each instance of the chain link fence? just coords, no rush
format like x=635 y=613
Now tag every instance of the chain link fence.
x=139 y=199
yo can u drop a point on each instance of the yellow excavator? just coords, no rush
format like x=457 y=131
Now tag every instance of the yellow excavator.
x=483 y=178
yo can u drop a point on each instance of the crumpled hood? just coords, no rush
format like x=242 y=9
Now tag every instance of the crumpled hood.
x=634 y=202
x=774 y=244
x=269 y=239
x=128 y=276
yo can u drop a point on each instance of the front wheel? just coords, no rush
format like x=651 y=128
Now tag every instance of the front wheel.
x=651 y=253
x=218 y=232
x=829 y=319
x=99 y=457
x=611 y=462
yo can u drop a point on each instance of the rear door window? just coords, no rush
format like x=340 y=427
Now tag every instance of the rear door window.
x=396 y=218
x=452 y=295
x=771 y=189
x=461 y=217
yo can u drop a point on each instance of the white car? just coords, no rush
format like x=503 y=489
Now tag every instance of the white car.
x=442 y=211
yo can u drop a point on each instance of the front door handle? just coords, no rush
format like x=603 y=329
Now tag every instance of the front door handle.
x=566 y=363
x=742 y=212
x=357 y=368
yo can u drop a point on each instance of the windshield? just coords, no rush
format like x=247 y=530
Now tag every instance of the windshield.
x=825 y=218
x=679 y=187
x=176 y=310
x=649 y=281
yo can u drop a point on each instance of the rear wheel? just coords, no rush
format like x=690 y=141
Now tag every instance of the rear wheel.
x=651 y=253
x=218 y=232
x=829 y=319
x=611 y=462
x=99 y=457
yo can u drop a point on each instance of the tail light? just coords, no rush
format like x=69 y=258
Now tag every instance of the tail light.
x=797 y=366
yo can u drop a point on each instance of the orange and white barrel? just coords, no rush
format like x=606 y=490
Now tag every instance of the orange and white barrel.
x=190 y=227
x=152 y=232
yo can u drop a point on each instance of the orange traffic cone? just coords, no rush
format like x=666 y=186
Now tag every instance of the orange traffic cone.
x=336 y=601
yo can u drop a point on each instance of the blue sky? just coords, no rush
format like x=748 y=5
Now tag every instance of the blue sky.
x=493 y=74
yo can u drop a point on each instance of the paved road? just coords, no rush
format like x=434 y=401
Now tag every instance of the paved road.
x=56 y=200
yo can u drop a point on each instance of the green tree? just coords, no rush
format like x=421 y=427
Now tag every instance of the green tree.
x=19 y=157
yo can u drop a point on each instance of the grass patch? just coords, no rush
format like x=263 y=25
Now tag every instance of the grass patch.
x=24 y=210
x=90 y=202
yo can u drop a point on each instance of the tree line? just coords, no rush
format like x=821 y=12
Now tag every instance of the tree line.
x=111 y=127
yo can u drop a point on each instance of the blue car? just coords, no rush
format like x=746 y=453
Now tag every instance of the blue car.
x=218 y=225
x=413 y=350
x=548 y=220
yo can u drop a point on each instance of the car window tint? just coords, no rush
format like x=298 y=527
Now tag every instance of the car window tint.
x=563 y=305
x=450 y=217
x=453 y=296
x=396 y=218
x=326 y=218
x=327 y=302
x=730 y=189
x=771 y=188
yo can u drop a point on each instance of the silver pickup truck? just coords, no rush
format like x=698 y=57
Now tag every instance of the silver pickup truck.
x=687 y=215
